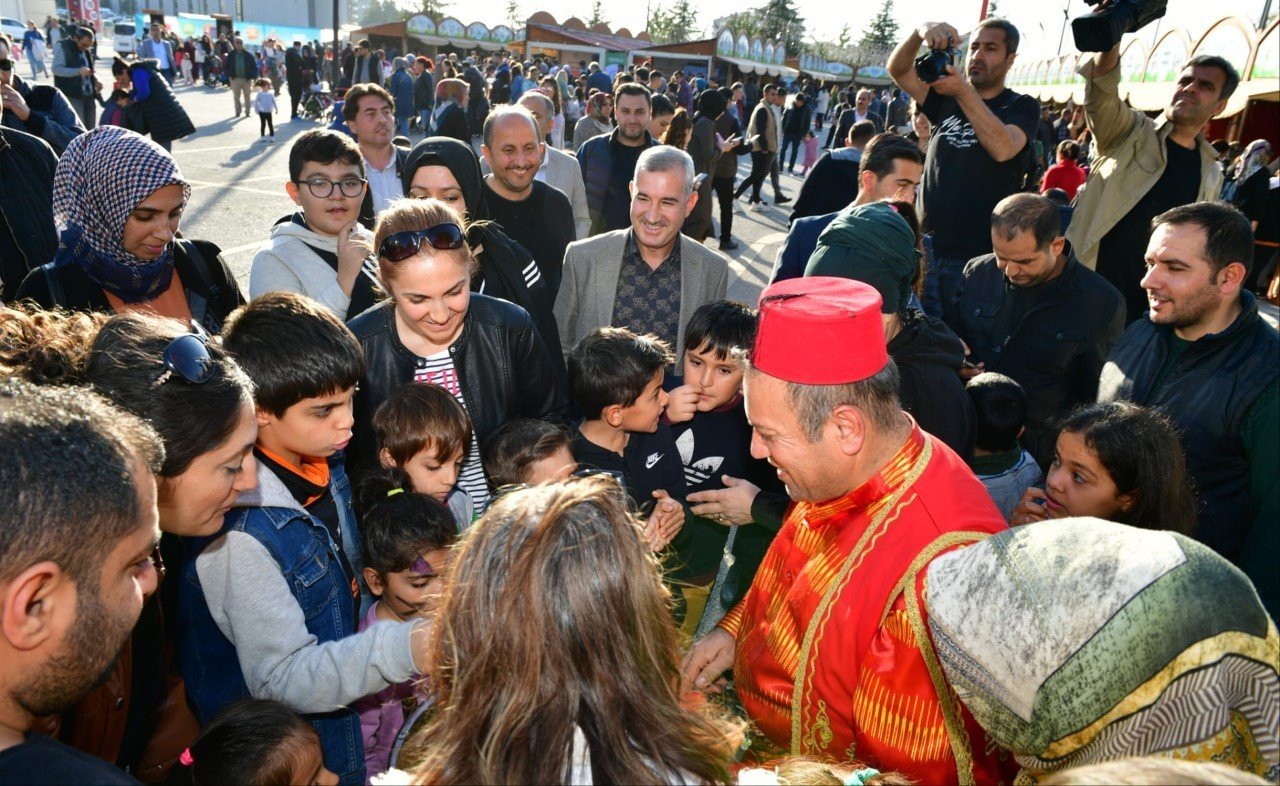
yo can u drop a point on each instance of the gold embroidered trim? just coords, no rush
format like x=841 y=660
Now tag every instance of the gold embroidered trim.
x=842 y=578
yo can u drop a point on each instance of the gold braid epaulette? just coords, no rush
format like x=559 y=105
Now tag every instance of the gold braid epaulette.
x=958 y=736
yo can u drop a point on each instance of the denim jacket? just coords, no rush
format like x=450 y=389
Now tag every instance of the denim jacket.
x=239 y=637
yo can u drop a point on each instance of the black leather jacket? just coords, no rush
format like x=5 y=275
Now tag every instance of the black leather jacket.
x=503 y=366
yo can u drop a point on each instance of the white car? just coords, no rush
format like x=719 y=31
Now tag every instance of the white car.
x=123 y=38
x=13 y=28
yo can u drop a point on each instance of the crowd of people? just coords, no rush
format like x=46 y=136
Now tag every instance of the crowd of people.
x=484 y=479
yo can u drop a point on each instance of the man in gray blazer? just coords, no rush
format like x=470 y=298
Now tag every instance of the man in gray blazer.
x=648 y=278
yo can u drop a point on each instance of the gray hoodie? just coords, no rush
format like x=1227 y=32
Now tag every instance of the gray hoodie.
x=252 y=605
x=285 y=263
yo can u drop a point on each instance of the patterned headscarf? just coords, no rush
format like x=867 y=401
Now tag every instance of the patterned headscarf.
x=1109 y=642
x=1254 y=158
x=102 y=176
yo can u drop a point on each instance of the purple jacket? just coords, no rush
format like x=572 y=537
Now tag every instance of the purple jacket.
x=382 y=714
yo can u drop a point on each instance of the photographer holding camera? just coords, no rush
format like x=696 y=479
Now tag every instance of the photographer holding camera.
x=1143 y=166
x=981 y=138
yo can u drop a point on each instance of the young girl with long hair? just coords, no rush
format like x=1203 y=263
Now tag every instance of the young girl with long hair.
x=556 y=656
x=1116 y=461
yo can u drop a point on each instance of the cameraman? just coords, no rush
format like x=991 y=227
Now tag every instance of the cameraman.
x=1143 y=167
x=978 y=150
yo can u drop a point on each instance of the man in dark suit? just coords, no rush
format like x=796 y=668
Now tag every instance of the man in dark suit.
x=861 y=110
x=293 y=76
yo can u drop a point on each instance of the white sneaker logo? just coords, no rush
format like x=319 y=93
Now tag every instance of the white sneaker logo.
x=653 y=459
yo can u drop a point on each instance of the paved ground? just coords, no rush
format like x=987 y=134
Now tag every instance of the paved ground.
x=238 y=189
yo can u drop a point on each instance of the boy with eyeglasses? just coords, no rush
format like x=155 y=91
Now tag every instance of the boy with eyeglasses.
x=321 y=251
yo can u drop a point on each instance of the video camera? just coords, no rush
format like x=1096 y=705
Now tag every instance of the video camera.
x=1101 y=30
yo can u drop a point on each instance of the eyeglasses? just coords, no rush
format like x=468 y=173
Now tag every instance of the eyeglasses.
x=402 y=245
x=321 y=188
x=188 y=357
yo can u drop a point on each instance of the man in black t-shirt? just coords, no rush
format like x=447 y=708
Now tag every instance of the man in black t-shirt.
x=534 y=214
x=981 y=139
x=1143 y=167
x=67 y=607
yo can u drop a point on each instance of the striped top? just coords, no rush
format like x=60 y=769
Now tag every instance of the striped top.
x=438 y=369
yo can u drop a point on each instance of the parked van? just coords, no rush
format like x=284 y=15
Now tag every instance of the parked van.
x=125 y=43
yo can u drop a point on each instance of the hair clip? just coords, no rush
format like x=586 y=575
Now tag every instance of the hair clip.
x=860 y=777
x=395 y=491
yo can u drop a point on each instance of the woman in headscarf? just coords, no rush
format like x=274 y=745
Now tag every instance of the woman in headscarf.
x=451 y=110
x=877 y=245
x=1081 y=641
x=448 y=170
x=595 y=119
x=1250 y=190
x=705 y=150
x=117 y=202
x=154 y=109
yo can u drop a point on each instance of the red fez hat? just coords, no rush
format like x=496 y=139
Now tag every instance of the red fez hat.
x=820 y=331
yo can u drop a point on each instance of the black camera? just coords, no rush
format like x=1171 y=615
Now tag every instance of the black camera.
x=1101 y=30
x=932 y=65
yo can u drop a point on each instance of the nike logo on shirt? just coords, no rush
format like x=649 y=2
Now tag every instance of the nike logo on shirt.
x=653 y=459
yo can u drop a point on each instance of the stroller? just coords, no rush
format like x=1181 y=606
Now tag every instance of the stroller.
x=316 y=102
x=213 y=71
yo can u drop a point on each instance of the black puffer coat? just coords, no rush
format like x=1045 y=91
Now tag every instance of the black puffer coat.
x=155 y=108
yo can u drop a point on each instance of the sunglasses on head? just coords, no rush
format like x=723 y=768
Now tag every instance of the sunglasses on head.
x=402 y=245
x=188 y=357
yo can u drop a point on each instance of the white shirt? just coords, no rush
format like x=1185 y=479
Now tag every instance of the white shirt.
x=384 y=184
x=161 y=53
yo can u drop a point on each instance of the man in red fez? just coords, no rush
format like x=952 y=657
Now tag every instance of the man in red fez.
x=829 y=648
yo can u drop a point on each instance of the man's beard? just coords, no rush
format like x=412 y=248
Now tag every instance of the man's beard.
x=86 y=658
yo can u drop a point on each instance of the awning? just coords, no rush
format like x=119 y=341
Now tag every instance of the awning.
x=824 y=76
x=766 y=69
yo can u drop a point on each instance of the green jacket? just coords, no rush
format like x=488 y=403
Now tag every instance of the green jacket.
x=1130 y=159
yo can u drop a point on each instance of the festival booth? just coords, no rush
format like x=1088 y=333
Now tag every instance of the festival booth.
x=421 y=35
x=691 y=57
x=1148 y=75
x=820 y=69
x=739 y=55
x=255 y=34
x=573 y=41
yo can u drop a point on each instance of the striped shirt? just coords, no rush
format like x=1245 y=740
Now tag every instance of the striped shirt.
x=438 y=369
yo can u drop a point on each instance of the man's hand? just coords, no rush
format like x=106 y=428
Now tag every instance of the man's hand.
x=354 y=247
x=970 y=369
x=729 y=505
x=938 y=35
x=86 y=72
x=710 y=656
x=13 y=102
x=953 y=83
x=682 y=404
x=664 y=522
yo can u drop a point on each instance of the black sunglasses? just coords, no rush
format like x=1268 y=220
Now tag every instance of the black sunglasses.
x=188 y=357
x=402 y=245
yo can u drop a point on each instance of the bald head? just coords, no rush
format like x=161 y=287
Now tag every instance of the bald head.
x=541 y=108
x=508 y=120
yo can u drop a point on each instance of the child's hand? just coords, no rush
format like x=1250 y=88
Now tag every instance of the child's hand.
x=1031 y=508
x=665 y=521
x=682 y=404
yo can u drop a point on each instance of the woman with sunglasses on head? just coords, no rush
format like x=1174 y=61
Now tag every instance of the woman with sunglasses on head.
x=117 y=202
x=557 y=660
x=434 y=329
x=448 y=170
x=201 y=404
